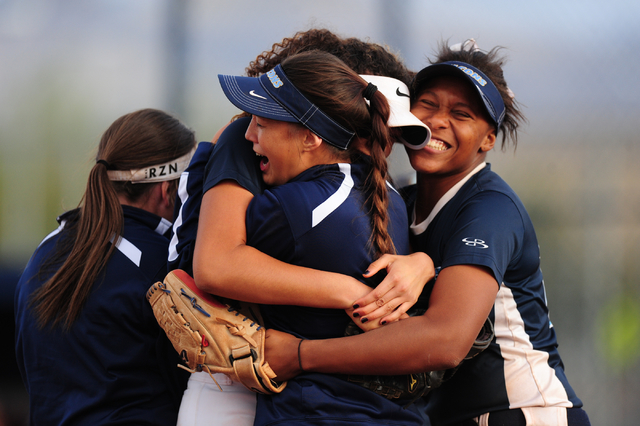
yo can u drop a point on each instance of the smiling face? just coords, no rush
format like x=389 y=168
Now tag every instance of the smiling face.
x=461 y=135
x=279 y=143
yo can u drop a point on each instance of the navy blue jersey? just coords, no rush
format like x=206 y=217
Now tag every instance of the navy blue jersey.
x=187 y=210
x=234 y=159
x=115 y=365
x=231 y=158
x=320 y=220
x=486 y=224
x=330 y=400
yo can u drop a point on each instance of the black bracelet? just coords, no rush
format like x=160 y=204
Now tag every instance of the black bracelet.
x=299 y=361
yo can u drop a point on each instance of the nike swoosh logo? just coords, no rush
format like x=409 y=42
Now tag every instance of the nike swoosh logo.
x=399 y=93
x=253 y=93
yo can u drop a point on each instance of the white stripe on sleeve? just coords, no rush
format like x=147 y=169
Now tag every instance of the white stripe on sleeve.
x=339 y=197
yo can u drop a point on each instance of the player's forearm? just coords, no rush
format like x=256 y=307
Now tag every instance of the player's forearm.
x=460 y=302
x=244 y=273
x=224 y=265
x=399 y=348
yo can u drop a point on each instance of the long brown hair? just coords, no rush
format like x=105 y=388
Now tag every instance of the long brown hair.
x=338 y=91
x=136 y=140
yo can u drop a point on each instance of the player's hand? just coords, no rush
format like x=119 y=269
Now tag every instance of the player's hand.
x=406 y=277
x=372 y=325
x=281 y=352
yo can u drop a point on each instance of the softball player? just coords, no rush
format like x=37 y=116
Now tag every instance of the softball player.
x=329 y=209
x=88 y=346
x=232 y=178
x=232 y=157
x=482 y=241
x=479 y=230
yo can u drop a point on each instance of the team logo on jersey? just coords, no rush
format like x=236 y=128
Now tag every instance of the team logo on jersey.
x=475 y=243
x=275 y=80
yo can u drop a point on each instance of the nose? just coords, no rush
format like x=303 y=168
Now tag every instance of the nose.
x=438 y=120
x=251 y=133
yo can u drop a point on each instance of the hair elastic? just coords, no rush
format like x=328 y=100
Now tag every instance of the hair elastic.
x=107 y=165
x=368 y=92
x=468 y=45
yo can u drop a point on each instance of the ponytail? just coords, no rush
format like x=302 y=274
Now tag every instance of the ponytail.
x=99 y=219
x=379 y=143
x=89 y=237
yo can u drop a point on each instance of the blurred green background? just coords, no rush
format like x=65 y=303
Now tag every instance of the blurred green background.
x=68 y=68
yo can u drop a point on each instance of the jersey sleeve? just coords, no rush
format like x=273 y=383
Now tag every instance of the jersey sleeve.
x=488 y=231
x=268 y=228
x=187 y=210
x=234 y=159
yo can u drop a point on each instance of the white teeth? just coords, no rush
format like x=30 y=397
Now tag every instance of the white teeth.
x=437 y=145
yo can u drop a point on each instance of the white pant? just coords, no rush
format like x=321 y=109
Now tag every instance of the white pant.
x=204 y=405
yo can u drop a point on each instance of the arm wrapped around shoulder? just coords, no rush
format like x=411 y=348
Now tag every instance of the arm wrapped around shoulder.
x=210 y=335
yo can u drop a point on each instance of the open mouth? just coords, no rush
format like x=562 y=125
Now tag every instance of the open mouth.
x=264 y=162
x=438 y=145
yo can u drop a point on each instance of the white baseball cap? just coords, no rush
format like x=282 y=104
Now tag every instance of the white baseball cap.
x=415 y=134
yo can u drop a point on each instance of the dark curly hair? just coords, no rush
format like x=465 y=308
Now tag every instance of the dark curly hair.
x=363 y=57
x=491 y=64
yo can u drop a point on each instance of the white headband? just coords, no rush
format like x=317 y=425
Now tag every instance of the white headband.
x=158 y=173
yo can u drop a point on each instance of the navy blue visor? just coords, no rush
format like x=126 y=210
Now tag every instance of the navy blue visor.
x=272 y=95
x=493 y=103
